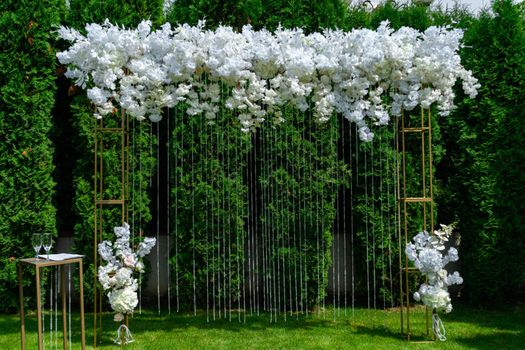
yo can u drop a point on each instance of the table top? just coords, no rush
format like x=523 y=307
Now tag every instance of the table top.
x=43 y=262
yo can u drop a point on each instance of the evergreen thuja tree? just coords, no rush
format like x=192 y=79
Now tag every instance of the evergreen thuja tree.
x=27 y=94
x=483 y=168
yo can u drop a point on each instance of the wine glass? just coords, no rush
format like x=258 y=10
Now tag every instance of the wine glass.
x=36 y=241
x=47 y=243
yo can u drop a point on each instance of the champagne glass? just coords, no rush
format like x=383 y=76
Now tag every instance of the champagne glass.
x=36 y=241
x=47 y=243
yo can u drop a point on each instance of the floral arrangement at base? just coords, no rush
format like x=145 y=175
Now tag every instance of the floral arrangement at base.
x=117 y=275
x=430 y=256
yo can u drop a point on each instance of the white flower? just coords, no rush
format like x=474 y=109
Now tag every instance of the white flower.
x=353 y=73
x=123 y=277
x=140 y=266
x=124 y=300
x=146 y=246
x=427 y=253
x=116 y=276
x=452 y=254
x=118 y=317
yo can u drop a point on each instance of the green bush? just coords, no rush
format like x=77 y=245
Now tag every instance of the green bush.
x=27 y=83
x=310 y=15
x=484 y=161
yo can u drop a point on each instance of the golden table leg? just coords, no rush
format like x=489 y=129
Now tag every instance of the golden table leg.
x=63 y=294
x=22 y=321
x=81 y=282
x=38 y=308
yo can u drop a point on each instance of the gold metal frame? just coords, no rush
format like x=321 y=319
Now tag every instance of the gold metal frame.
x=425 y=198
x=100 y=203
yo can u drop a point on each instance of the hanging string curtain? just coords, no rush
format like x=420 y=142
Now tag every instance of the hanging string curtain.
x=365 y=75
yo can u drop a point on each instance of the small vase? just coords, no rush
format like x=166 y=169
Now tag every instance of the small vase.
x=124 y=335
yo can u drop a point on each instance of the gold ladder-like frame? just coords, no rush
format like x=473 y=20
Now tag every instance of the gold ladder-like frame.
x=426 y=200
x=100 y=203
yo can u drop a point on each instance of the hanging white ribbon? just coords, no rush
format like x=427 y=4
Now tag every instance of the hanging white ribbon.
x=124 y=335
x=438 y=327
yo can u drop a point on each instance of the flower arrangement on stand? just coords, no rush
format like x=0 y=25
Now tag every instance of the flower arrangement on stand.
x=430 y=256
x=117 y=276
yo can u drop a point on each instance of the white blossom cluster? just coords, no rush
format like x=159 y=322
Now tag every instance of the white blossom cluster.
x=117 y=276
x=427 y=253
x=365 y=75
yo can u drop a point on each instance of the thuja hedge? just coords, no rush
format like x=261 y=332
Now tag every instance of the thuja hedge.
x=27 y=83
x=483 y=171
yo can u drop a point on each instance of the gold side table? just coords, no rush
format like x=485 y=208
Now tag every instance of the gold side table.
x=39 y=264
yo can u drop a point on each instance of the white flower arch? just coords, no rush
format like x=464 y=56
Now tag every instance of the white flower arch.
x=367 y=76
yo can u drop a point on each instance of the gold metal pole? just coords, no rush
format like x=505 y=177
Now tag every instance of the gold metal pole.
x=81 y=285
x=95 y=227
x=63 y=298
x=21 y=295
x=426 y=197
x=399 y=231
x=424 y=191
x=100 y=201
x=405 y=224
x=38 y=308
x=431 y=175
x=431 y=181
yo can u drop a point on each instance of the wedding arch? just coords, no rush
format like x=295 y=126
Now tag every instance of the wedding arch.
x=198 y=82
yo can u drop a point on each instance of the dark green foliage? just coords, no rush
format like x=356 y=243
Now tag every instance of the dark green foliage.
x=235 y=13
x=310 y=15
x=484 y=163
x=27 y=85
x=126 y=13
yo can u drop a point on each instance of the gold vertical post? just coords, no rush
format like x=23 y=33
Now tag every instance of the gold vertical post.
x=82 y=325
x=100 y=201
x=100 y=223
x=426 y=196
x=399 y=231
x=95 y=227
x=424 y=188
x=63 y=298
x=21 y=295
x=405 y=224
x=38 y=308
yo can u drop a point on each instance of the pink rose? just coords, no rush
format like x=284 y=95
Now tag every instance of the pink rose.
x=129 y=261
x=118 y=317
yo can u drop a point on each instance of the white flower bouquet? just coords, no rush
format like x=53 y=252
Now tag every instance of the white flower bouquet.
x=429 y=254
x=117 y=275
x=429 y=257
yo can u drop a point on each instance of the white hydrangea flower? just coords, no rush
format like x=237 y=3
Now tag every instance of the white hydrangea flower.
x=123 y=300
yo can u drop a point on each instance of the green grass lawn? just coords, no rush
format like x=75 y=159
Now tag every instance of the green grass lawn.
x=365 y=329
